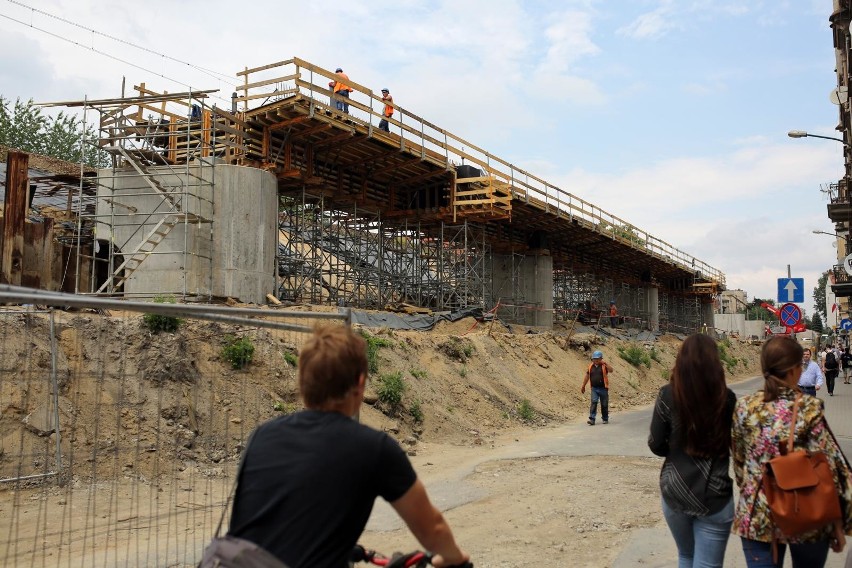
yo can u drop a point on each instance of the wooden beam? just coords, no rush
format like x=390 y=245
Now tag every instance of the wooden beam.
x=15 y=206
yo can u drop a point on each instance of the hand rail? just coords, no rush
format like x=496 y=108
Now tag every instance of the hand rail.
x=445 y=148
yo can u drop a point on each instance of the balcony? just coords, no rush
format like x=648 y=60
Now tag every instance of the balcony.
x=841 y=283
x=839 y=208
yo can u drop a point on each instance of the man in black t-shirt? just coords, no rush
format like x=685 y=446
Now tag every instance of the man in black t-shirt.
x=310 y=479
x=598 y=375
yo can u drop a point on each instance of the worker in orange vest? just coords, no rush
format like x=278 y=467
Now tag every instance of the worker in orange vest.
x=341 y=91
x=388 y=111
x=598 y=376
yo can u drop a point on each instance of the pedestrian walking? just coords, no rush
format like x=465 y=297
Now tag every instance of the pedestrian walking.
x=762 y=423
x=846 y=364
x=341 y=90
x=387 y=112
x=691 y=428
x=598 y=376
x=811 y=379
x=310 y=478
x=613 y=314
x=830 y=368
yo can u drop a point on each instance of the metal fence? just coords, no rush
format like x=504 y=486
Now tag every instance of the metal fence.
x=118 y=445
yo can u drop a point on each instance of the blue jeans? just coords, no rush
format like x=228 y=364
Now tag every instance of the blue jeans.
x=342 y=101
x=602 y=394
x=701 y=541
x=807 y=555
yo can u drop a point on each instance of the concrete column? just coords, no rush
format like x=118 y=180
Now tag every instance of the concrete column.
x=708 y=318
x=653 y=302
x=527 y=282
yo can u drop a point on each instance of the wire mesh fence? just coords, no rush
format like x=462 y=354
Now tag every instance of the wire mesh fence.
x=118 y=444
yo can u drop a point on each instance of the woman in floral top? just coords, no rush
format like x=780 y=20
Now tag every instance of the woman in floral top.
x=761 y=423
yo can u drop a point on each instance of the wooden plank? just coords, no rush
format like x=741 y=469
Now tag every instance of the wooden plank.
x=264 y=67
x=282 y=79
x=15 y=206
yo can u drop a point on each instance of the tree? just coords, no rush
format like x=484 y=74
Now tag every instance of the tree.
x=23 y=126
x=816 y=323
x=755 y=312
x=819 y=295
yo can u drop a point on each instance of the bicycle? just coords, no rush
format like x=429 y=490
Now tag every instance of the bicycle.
x=416 y=559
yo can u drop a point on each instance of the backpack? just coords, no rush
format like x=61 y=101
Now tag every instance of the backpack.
x=799 y=489
x=830 y=360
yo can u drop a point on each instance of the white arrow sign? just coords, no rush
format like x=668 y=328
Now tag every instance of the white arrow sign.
x=791 y=290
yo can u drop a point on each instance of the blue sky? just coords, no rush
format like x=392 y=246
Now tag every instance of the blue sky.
x=669 y=114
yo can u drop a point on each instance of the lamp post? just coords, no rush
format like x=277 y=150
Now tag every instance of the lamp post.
x=803 y=134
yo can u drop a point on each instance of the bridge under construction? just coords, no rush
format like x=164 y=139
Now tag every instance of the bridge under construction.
x=283 y=193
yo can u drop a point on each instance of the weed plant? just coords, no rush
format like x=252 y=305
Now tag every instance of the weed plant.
x=157 y=323
x=238 y=351
x=635 y=355
x=390 y=389
x=373 y=345
x=526 y=411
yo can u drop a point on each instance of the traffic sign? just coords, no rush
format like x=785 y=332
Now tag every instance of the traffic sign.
x=846 y=324
x=791 y=290
x=789 y=315
x=847 y=264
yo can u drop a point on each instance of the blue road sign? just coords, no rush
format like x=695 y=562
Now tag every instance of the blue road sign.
x=846 y=324
x=790 y=315
x=791 y=290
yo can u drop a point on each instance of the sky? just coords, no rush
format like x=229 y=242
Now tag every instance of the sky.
x=670 y=114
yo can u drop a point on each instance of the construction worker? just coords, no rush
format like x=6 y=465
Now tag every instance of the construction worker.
x=388 y=111
x=341 y=91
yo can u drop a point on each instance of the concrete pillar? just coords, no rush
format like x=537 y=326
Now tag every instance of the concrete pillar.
x=652 y=296
x=708 y=318
x=527 y=282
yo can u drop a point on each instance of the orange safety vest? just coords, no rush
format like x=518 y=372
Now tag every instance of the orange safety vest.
x=605 y=374
x=613 y=311
x=388 y=108
x=338 y=86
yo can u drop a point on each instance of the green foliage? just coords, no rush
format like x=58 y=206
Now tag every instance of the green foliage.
x=457 y=348
x=666 y=374
x=373 y=345
x=419 y=373
x=655 y=355
x=463 y=371
x=238 y=351
x=729 y=360
x=291 y=358
x=625 y=232
x=284 y=407
x=416 y=412
x=755 y=312
x=816 y=324
x=526 y=411
x=390 y=389
x=635 y=355
x=157 y=323
x=24 y=126
x=819 y=299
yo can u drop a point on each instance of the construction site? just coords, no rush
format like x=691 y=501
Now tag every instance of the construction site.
x=285 y=196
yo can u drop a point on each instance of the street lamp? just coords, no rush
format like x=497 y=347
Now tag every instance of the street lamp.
x=803 y=134
x=835 y=235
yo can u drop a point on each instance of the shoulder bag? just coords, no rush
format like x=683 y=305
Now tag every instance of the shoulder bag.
x=232 y=552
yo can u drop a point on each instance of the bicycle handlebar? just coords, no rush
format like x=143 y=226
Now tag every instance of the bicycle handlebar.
x=416 y=559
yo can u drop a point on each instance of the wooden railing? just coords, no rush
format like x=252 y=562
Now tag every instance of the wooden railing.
x=296 y=77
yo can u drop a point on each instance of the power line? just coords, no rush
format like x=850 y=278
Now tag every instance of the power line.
x=109 y=55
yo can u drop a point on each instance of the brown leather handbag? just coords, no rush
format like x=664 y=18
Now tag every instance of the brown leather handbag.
x=799 y=488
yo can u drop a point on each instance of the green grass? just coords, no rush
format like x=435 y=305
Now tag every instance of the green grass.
x=292 y=359
x=416 y=411
x=636 y=355
x=373 y=345
x=238 y=351
x=419 y=373
x=729 y=360
x=390 y=388
x=157 y=323
x=463 y=371
x=526 y=411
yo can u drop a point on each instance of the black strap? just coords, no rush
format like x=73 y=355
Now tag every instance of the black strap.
x=233 y=492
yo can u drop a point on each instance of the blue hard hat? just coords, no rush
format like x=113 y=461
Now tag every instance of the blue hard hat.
x=597 y=355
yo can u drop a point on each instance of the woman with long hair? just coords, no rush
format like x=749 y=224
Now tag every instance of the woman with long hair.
x=762 y=423
x=691 y=428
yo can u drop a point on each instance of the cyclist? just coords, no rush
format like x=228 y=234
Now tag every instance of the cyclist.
x=310 y=478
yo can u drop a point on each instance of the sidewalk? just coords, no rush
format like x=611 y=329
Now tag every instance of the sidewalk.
x=655 y=548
